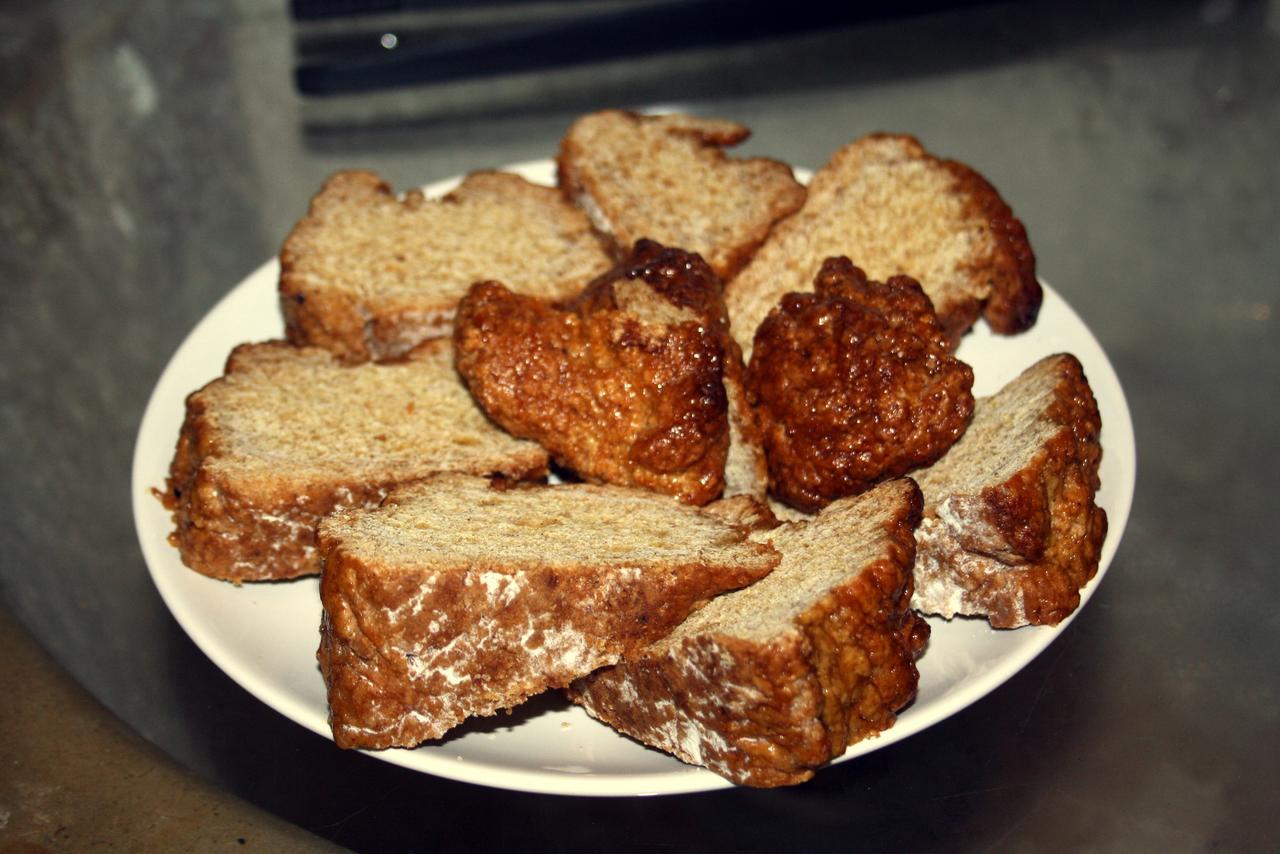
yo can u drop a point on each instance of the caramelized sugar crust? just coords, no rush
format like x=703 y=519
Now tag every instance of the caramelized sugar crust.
x=625 y=385
x=854 y=384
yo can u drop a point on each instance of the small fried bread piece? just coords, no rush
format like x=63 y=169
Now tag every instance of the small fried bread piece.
x=369 y=275
x=1012 y=531
x=289 y=434
x=667 y=177
x=766 y=683
x=622 y=388
x=854 y=384
x=683 y=279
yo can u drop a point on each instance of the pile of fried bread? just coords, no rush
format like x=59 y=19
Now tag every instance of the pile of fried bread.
x=680 y=435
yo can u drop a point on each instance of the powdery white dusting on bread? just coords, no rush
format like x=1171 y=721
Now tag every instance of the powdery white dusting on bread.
x=456 y=599
x=764 y=684
x=1011 y=530
x=289 y=435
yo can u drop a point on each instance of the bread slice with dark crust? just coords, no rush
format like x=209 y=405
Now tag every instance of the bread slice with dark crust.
x=854 y=383
x=765 y=684
x=369 y=276
x=632 y=395
x=289 y=434
x=667 y=178
x=455 y=599
x=894 y=209
x=1011 y=530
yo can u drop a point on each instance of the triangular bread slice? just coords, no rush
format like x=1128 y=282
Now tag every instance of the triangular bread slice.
x=288 y=434
x=370 y=276
x=765 y=684
x=745 y=469
x=456 y=599
x=894 y=209
x=667 y=178
x=1011 y=531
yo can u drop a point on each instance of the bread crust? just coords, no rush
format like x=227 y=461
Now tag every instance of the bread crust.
x=769 y=712
x=601 y=169
x=224 y=533
x=347 y=287
x=619 y=393
x=685 y=280
x=854 y=384
x=237 y=528
x=409 y=651
x=867 y=202
x=1018 y=550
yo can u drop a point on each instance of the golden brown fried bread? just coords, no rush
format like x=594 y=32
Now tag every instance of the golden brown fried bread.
x=289 y=434
x=624 y=387
x=767 y=683
x=854 y=384
x=666 y=177
x=456 y=599
x=894 y=209
x=1011 y=531
x=684 y=280
x=369 y=276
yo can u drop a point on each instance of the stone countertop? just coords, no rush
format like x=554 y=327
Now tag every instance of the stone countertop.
x=153 y=154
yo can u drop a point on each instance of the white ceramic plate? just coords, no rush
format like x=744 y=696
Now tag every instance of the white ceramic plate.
x=264 y=636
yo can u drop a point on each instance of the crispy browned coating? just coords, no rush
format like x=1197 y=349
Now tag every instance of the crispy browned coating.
x=1016 y=547
x=288 y=434
x=453 y=600
x=684 y=280
x=854 y=384
x=620 y=388
x=681 y=278
x=767 y=707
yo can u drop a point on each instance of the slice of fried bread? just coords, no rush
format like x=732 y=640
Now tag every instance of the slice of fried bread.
x=289 y=434
x=370 y=276
x=854 y=383
x=765 y=684
x=626 y=384
x=456 y=599
x=894 y=209
x=1011 y=531
x=667 y=178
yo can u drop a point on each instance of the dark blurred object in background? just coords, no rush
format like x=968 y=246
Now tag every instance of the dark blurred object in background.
x=348 y=46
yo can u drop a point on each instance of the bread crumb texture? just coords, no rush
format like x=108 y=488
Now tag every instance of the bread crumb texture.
x=667 y=178
x=369 y=275
x=767 y=683
x=289 y=434
x=1011 y=530
x=457 y=599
